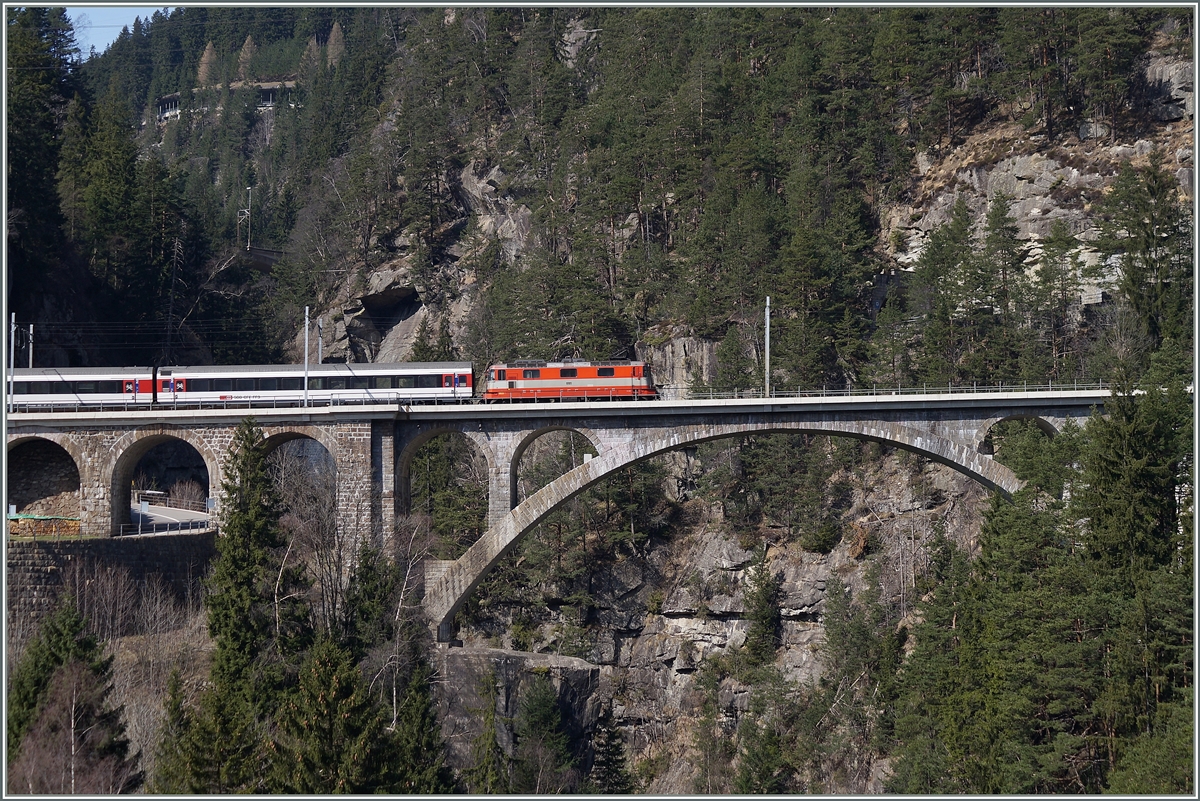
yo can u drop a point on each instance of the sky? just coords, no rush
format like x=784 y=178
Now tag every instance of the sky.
x=99 y=26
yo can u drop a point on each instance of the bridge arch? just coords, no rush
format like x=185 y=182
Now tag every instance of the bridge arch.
x=524 y=444
x=447 y=593
x=1049 y=426
x=129 y=450
x=404 y=459
x=45 y=475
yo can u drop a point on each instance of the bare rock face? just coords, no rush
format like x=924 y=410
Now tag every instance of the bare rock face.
x=677 y=361
x=1169 y=88
x=496 y=215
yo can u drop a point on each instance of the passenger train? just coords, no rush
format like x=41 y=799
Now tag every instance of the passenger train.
x=284 y=385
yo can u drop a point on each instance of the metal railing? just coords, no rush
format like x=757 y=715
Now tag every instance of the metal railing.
x=664 y=393
x=164 y=500
x=142 y=529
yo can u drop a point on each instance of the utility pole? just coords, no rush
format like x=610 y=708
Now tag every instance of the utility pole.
x=320 y=340
x=249 y=206
x=306 y=357
x=767 y=360
x=12 y=360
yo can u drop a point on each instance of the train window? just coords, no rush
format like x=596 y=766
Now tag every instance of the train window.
x=428 y=381
x=21 y=388
x=403 y=382
x=86 y=387
x=109 y=387
x=336 y=382
x=268 y=384
x=291 y=383
x=39 y=388
x=531 y=374
x=568 y=372
x=63 y=387
x=222 y=385
x=501 y=375
x=317 y=383
x=606 y=372
x=359 y=382
x=243 y=384
x=199 y=384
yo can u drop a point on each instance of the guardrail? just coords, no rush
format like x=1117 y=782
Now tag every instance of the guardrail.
x=163 y=499
x=665 y=393
x=142 y=529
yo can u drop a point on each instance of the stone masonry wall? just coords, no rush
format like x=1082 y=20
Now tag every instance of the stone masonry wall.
x=36 y=571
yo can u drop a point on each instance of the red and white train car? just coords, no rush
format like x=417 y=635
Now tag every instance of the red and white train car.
x=569 y=380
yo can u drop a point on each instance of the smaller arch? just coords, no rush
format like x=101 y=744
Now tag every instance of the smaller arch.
x=44 y=477
x=527 y=441
x=128 y=452
x=402 y=474
x=983 y=434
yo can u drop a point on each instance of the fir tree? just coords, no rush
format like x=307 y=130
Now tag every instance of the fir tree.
x=60 y=640
x=610 y=773
x=333 y=738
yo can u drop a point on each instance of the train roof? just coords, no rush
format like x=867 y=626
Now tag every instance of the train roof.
x=26 y=373
x=329 y=368
x=73 y=373
x=564 y=363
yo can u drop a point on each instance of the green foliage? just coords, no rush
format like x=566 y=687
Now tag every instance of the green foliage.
x=490 y=770
x=419 y=753
x=543 y=762
x=762 y=610
x=332 y=737
x=610 y=773
x=61 y=639
x=250 y=604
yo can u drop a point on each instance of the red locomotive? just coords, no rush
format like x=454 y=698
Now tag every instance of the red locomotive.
x=567 y=380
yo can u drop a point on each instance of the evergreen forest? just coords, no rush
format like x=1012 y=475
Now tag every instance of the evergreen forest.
x=664 y=170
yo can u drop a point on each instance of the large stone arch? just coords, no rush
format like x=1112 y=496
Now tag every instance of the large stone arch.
x=458 y=580
x=46 y=483
x=129 y=450
x=274 y=436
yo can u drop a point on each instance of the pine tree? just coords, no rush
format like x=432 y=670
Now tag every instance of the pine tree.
x=61 y=639
x=610 y=773
x=420 y=752
x=77 y=744
x=332 y=736
x=490 y=768
x=762 y=610
x=543 y=761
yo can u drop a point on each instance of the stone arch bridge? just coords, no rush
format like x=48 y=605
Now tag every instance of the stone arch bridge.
x=373 y=448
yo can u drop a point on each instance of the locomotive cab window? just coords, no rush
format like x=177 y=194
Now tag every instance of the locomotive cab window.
x=606 y=372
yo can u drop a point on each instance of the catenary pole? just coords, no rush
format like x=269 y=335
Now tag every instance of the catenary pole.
x=320 y=340
x=12 y=359
x=767 y=360
x=306 y=356
x=31 y=346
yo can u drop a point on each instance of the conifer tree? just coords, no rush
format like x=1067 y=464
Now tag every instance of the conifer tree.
x=419 y=759
x=332 y=736
x=61 y=639
x=490 y=768
x=610 y=772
